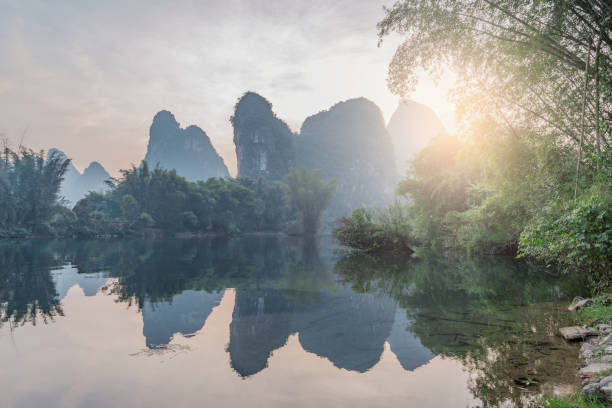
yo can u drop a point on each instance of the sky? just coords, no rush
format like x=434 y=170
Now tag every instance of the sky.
x=87 y=77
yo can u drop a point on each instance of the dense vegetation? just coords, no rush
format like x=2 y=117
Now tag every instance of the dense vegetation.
x=530 y=170
x=154 y=201
x=29 y=189
x=308 y=196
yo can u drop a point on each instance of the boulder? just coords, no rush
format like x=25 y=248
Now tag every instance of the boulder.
x=595 y=369
x=591 y=390
x=578 y=304
x=605 y=381
x=606 y=340
x=576 y=332
x=607 y=390
x=604 y=328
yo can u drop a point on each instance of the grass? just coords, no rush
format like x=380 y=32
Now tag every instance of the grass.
x=600 y=311
x=575 y=401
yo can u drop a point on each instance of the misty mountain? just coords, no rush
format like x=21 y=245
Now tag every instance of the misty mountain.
x=188 y=151
x=411 y=127
x=76 y=185
x=349 y=143
x=264 y=143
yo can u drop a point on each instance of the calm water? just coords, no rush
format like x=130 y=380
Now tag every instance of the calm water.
x=273 y=322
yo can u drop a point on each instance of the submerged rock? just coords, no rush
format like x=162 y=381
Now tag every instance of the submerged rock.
x=188 y=151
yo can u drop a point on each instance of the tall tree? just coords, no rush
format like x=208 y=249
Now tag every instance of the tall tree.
x=308 y=196
x=520 y=61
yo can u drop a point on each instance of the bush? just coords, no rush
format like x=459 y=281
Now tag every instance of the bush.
x=374 y=232
x=575 y=237
x=146 y=220
x=189 y=220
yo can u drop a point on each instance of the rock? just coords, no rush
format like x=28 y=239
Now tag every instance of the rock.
x=607 y=358
x=591 y=390
x=188 y=151
x=608 y=350
x=580 y=303
x=606 y=340
x=264 y=143
x=604 y=328
x=587 y=346
x=607 y=390
x=605 y=381
x=587 y=354
x=595 y=369
x=350 y=143
x=576 y=332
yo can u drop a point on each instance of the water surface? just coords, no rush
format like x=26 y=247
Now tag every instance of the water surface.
x=270 y=321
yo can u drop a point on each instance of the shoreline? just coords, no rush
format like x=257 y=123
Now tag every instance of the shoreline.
x=595 y=355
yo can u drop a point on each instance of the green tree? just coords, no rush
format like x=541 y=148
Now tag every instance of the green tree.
x=29 y=186
x=308 y=196
x=524 y=62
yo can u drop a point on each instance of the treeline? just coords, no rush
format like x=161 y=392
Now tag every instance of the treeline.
x=530 y=171
x=155 y=201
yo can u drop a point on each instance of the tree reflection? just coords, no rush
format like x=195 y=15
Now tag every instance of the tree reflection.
x=499 y=317
x=27 y=289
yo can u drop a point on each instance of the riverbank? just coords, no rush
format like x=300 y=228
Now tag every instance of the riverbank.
x=594 y=330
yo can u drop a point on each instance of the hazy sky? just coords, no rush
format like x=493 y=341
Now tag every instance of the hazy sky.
x=87 y=77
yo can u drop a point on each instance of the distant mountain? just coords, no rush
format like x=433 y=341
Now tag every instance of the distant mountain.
x=411 y=128
x=92 y=179
x=71 y=175
x=349 y=143
x=188 y=151
x=264 y=143
x=76 y=185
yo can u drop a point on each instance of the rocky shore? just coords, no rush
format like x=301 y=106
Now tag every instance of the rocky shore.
x=595 y=355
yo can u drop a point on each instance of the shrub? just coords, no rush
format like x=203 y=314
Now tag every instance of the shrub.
x=575 y=237
x=376 y=231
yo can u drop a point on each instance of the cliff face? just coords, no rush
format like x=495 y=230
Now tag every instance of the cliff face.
x=411 y=127
x=264 y=143
x=76 y=185
x=188 y=151
x=349 y=143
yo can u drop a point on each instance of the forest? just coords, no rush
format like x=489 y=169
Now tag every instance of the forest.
x=529 y=173
x=154 y=202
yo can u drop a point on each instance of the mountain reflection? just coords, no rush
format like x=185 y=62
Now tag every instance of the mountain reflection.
x=342 y=309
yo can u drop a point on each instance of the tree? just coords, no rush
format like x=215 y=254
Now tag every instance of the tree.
x=308 y=196
x=29 y=187
x=524 y=62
